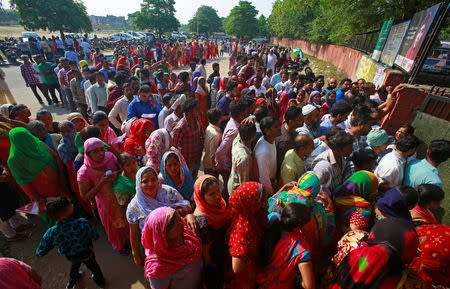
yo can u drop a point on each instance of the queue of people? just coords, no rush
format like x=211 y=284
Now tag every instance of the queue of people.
x=261 y=178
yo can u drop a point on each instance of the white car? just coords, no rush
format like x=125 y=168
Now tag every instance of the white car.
x=260 y=39
x=121 y=36
x=136 y=34
x=26 y=35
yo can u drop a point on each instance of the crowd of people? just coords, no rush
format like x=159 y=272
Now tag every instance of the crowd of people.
x=261 y=178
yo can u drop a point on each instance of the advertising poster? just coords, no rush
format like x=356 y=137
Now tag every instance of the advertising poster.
x=384 y=32
x=417 y=32
x=367 y=68
x=393 y=43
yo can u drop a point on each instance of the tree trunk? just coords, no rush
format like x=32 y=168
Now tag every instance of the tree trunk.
x=61 y=33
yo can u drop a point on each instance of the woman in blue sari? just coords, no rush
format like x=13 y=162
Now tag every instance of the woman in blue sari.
x=175 y=175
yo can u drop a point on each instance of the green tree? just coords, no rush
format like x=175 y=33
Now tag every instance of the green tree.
x=205 y=20
x=242 y=20
x=262 y=26
x=8 y=16
x=158 y=15
x=53 y=15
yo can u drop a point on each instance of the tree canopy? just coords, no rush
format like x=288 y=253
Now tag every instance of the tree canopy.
x=205 y=20
x=53 y=15
x=242 y=20
x=158 y=15
x=338 y=20
x=262 y=26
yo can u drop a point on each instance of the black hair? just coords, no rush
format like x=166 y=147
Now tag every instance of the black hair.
x=203 y=61
x=439 y=150
x=145 y=88
x=332 y=132
x=99 y=116
x=258 y=77
x=123 y=158
x=231 y=85
x=206 y=183
x=111 y=74
x=429 y=193
x=292 y=113
x=267 y=123
x=363 y=157
x=360 y=119
x=344 y=80
x=237 y=107
x=409 y=128
x=215 y=64
x=171 y=223
x=301 y=77
x=285 y=73
x=293 y=217
x=183 y=76
x=121 y=78
x=302 y=142
x=42 y=112
x=309 y=80
x=181 y=90
x=319 y=77
x=16 y=109
x=214 y=115
x=382 y=90
x=410 y=194
x=71 y=62
x=247 y=132
x=406 y=142
x=361 y=109
x=145 y=72
x=89 y=132
x=261 y=112
x=56 y=207
x=189 y=105
x=166 y=98
x=340 y=108
x=340 y=140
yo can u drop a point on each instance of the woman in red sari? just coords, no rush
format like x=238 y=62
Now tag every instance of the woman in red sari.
x=37 y=169
x=201 y=94
x=247 y=206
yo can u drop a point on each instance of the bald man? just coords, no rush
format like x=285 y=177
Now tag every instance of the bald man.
x=332 y=84
x=292 y=166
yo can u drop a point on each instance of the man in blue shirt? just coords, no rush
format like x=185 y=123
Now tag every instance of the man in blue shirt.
x=425 y=171
x=144 y=104
x=71 y=55
x=105 y=68
x=344 y=85
x=339 y=113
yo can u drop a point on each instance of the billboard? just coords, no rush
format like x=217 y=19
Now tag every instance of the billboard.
x=393 y=43
x=382 y=39
x=367 y=68
x=417 y=32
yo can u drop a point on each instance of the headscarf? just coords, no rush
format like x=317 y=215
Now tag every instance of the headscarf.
x=142 y=205
x=92 y=144
x=79 y=143
x=27 y=156
x=162 y=259
x=327 y=99
x=201 y=90
x=156 y=145
x=137 y=137
x=248 y=218
x=67 y=149
x=391 y=244
x=187 y=187
x=222 y=84
x=4 y=109
x=393 y=205
x=195 y=74
x=426 y=217
x=283 y=104
x=216 y=217
x=135 y=61
x=311 y=96
x=122 y=62
x=76 y=115
x=261 y=101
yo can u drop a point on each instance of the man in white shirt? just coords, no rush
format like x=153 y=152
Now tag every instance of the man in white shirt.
x=283 y=86
x=266 y=153
x=271 y=60
x=257 y=86
x=176 y=115
x=165 y=111
x=119 y=111
x=391 y=169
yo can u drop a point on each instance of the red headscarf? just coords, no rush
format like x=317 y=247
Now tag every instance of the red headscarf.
x=260 y=101
x=137 y=137
x=222 y=85
x=122 y=62
x=216 y=217
x=135 y=60
x=248 y=219
x=283 y=104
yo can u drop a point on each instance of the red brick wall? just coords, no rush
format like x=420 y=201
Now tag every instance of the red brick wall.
x=345 y=58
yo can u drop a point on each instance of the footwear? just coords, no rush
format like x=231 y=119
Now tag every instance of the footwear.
x=80 y=275
x=50 y=103
x=100 y=283
x=19 y=237
x=62 y=105
x=25 y=227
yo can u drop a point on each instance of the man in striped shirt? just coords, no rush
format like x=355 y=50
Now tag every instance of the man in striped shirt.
x=243 y=164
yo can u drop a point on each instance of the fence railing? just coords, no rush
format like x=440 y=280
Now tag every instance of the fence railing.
x=437 y=106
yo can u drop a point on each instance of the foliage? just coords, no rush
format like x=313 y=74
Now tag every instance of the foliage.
x=336 y=21
x=205 y=20
x=8 y=16
x=53 y=15
x=262 y=26
x=158 y=15
x=242 y=20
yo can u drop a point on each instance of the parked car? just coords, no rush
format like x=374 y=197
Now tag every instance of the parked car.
x=121 y=36
x=150 y=36
x=26 y=35
x=137 y=35
x=260 y=39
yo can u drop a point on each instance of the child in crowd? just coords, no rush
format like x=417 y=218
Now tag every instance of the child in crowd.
x=125 y=184
x=73 y=237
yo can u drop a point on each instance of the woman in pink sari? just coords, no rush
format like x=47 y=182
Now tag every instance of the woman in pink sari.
x=156 y=145
x=173 y=252
x=95 y=179
x=201 y=94
x=430 y=197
